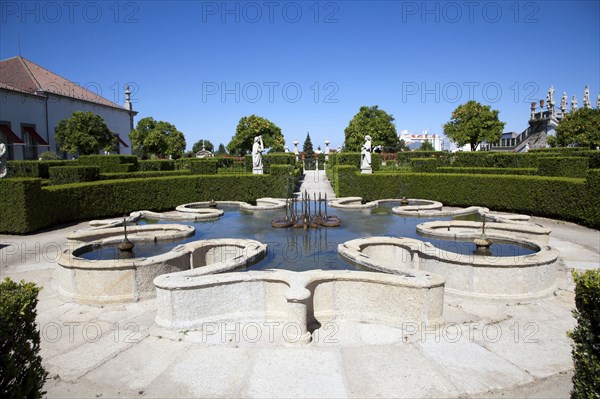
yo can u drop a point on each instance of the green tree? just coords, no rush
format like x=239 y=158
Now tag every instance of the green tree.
x=426 y=146
x=473 y=123
x=85 y=133
x=251 y=126
x=374 y=122
x=157 y=137
x=307 y=148
x=580 y=128
x=221 y=150
x=208 y=146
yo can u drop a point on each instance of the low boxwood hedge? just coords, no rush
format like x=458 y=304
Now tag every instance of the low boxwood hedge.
x=34 y=168
x=110 y=163
x=586 y=335
x=559 y=197
x=140 y=175
x=22 y=374
x=156 y=165
x=73 y=174
x=205 y=166
x=424 y=164
x=353 y=159
x=33 y=207
x=563 y=166
x=487 y=171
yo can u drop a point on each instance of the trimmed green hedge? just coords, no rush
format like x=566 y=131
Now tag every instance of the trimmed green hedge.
x=563 y=166
x=73 y=174
x=424 y=164
x=22 y=374
x=285 y=158
x=141 y=175
x=34 y=168
x=488 y=171
x=586 y=335
x=156 y=165
x=204 y=166
x=110 y=163
x=443 y=157
x=559 y=197
x=33 y=207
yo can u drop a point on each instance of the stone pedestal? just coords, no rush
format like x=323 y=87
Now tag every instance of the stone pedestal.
x=296 y=331
x=366 y=171
x=257 y=171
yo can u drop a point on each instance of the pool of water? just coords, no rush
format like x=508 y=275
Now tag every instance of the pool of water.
x=299 y=249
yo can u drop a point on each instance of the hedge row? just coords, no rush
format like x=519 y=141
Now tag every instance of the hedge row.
x=353 y=159
x=33 y=207
x=586 y=335
x=519 y=160
x=73 y=174
x=206 y=166
x=141 y=175
x=559 y=197
x=34 y=168
x=285 y=158
x=485 y=171
x=156 y=165
x=110 y=163
x=22 y=374
x=563 y=166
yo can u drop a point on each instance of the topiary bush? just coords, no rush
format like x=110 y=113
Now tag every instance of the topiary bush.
x=586 y=335
x=73 y=174
x=21 y=373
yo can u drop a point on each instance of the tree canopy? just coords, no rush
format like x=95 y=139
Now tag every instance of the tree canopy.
x=158 y=138
x=426 y=146
x=251 y=126
x=208 y=146
x=472 y=123
x=307 y=147
x=85 y=133
x=221 y=150
x=581 y=128
x=374 y=122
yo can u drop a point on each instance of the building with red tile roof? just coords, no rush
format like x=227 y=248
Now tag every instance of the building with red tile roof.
x=33 y=100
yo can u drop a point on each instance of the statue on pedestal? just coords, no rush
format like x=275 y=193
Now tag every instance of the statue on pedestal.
x=563 y=103
x=257 y=149
x=550 y=98
x=574 y=104
x=365 y=156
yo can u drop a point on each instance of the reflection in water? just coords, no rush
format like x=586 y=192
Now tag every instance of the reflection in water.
x=299 y=249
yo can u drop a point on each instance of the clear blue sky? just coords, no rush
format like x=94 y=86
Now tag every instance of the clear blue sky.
x=416 y=60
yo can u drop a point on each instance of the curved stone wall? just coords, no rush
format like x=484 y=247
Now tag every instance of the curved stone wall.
x=127 y=280
x=148 y=232
x=302 y=298
x=504 y=278
x=463 y=230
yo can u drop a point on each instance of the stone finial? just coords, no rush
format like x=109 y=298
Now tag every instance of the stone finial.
x=563 y=103
x=598 y=102
x=586 y=97
x=550 y=98
x=128 y=106
x=574 y=104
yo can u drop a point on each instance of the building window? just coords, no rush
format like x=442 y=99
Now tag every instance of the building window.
x=30 y=151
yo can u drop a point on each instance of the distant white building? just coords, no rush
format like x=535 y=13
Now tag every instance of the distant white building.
x=33 y=100
x=418 y=139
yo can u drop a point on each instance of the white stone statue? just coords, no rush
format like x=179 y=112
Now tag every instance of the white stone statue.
x=550 y=98
x=598 y=102
x=365 y=158
x=574 y=104
x=3 y=165
x=586 y=97
x=563 y=102
x=257 y=149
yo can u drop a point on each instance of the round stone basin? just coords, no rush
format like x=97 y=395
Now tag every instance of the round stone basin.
x=126 y=280
x=518 y=277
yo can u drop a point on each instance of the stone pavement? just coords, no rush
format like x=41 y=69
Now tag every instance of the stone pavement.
x=484 y=349
x=315 y=182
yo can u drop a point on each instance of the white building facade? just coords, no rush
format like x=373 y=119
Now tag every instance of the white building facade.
x=434 y=139
x=34 y=100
